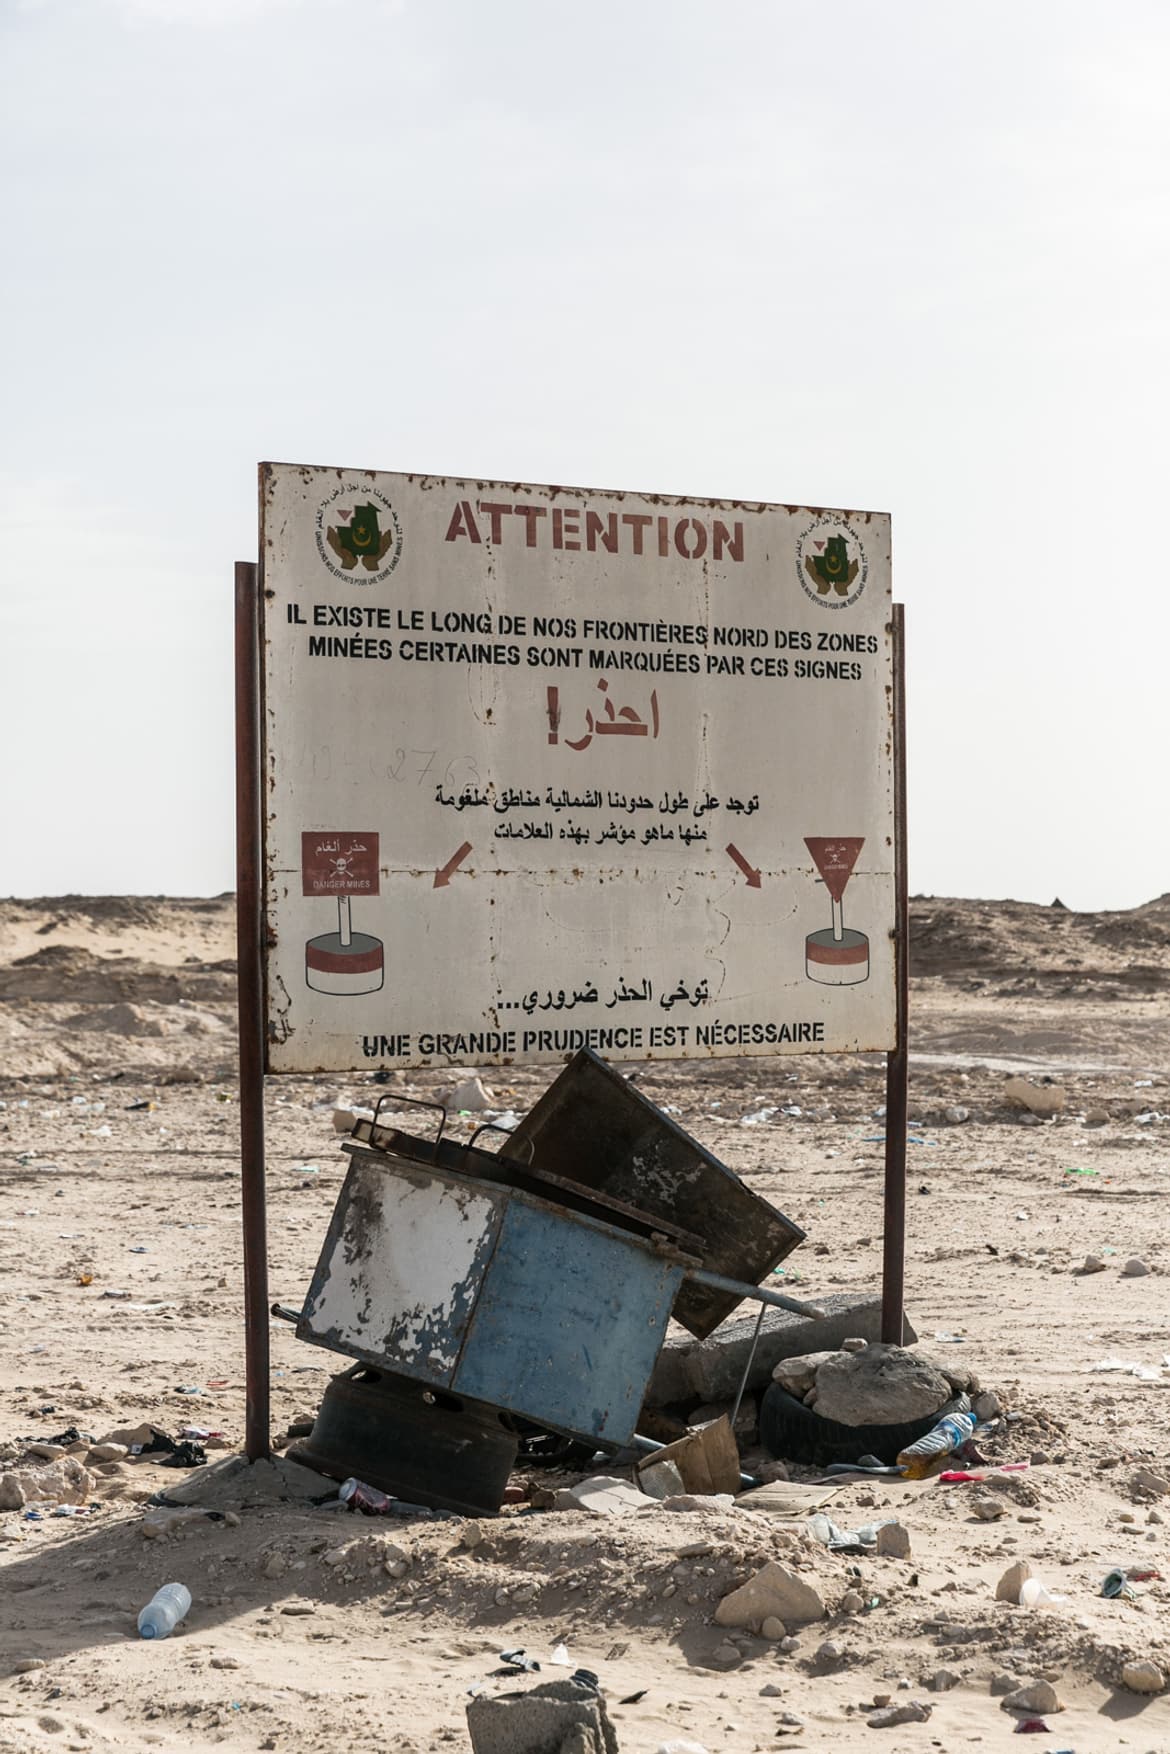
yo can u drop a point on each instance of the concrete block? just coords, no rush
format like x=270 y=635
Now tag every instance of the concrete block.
x=556 y=1718
x=690 y=1370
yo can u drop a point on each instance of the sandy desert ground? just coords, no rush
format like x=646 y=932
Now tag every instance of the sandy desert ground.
x=119 y=1171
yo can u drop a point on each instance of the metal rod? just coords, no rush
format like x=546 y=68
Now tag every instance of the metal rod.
x=748 y=1362
x=250 y=989
x=898 y=1062
x=776 y=1299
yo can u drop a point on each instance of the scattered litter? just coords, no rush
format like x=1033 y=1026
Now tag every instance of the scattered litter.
x=880 y=1139
x=965 y=1476
x=505 y=1119
x=865 y=1465
x=1034 y=1594
x=519 y=1659
x=839 y=1540
x=185 y=1455
x=164 y=1611
x=1117 y=1584
x=760 y=1118
x=367 y=1499
x=1131 y=1367
x=560 y=1657
x=917 y=1459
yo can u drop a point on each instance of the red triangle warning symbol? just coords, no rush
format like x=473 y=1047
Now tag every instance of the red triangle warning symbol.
x=835 y=859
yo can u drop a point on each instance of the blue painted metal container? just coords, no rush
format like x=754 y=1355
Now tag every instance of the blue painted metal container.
x=492 y=1293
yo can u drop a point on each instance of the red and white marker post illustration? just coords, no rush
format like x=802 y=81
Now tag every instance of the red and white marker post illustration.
x=342 y=865
x=838 y=956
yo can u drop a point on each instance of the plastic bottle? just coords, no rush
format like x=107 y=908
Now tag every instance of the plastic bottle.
x=164 y=1611
x=918 y=1459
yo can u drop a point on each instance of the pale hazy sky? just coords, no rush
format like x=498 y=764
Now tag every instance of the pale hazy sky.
x=902 y=256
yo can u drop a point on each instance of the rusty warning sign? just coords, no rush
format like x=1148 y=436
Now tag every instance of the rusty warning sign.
x=621 y=768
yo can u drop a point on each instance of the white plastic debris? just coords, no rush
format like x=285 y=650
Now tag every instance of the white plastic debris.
x=760 y=1118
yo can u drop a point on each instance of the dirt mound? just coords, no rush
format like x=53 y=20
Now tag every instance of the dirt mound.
x=67 y=974
x=1014 y=940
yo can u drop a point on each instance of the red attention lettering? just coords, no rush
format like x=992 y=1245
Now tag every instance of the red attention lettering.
x=660 y=535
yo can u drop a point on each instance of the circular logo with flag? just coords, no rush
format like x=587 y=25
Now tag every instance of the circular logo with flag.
x=831 y=563
x=359 y=536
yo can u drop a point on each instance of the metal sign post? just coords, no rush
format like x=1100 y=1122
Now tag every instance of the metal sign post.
x=897 y=1062
x=250 y=987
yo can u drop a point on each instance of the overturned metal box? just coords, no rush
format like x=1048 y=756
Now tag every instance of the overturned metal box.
x=492 y=1293
x=596 y=1129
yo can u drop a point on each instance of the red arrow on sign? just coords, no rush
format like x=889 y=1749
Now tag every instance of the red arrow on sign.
x=749 y=871
x=443 y=877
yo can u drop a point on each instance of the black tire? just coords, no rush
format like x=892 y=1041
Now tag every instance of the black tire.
x=444 y=1451
x=792 y=1432
x=551 y=1449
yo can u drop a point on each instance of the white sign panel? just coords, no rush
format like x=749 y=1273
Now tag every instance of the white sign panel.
x=551 y=768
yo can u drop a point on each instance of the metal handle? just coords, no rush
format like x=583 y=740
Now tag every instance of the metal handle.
x=494 y=1127
x=286 y=1315
x=777 y=1299
x=412 y=1102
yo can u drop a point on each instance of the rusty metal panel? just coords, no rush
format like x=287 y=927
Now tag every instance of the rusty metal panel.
x=551 y=768
x=402 y=1265
x=595 y=1127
